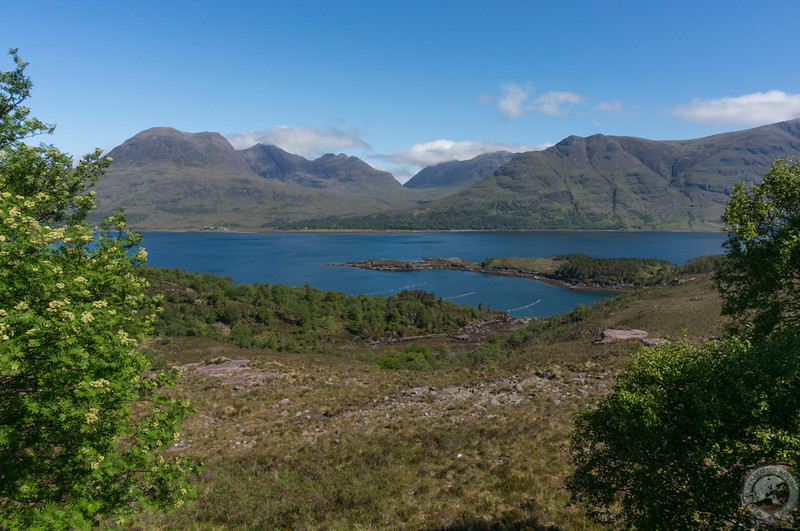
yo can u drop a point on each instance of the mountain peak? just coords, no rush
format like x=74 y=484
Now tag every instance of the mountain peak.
x=457 y=174
x=336 y=173
x=165 y=145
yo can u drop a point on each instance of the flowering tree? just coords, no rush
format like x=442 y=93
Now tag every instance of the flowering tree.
x=80 y=416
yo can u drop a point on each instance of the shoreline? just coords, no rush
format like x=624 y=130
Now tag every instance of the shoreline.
x=419 y=231
x=456 y=264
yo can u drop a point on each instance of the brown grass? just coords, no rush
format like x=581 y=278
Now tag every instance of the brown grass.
x=332 y=443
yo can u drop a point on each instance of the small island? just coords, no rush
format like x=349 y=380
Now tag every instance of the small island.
x=576 y=271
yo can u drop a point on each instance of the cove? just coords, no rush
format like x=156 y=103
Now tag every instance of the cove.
x=297 y=259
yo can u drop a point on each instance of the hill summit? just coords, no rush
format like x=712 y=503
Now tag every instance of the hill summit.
x=167 y=179
x=336 y=173
x=608 y=182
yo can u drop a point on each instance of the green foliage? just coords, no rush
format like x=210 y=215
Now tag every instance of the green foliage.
x=80 y=419
x=608 y=271
x=15 y=88
x=294 y=319
x=702 y=264
x=760 y=279
x=490 y=353
x=419 y=357
x=671 y=447
x=538 y=328
x=415 y=357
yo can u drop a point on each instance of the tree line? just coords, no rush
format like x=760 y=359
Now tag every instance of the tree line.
x=294 y=319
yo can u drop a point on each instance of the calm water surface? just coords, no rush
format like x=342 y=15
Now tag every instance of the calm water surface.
x=297 y=259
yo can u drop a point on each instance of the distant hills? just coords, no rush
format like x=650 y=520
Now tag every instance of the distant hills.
x=334 y=173
x=170 y=180
x=449 y=177
x=605 y=182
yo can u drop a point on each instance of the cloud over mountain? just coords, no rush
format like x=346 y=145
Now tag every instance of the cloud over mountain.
x=436 y=151
x=751 y=109
x=301 y=139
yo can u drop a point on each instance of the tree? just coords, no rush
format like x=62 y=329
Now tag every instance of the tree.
x=760 y=278
x=81 y=415
x=672 y=446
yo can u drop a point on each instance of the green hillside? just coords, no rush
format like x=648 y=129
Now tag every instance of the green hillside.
x=165 y=179
x=605 y=182
x=447 y=178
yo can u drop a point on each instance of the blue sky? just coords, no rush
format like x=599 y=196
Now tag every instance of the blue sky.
x=404 y=84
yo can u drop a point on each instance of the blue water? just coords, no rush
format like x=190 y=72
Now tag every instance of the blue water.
x=297 y=259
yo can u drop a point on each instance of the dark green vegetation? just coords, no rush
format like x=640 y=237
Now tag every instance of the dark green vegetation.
x=603 y=182
x=671 y=448
x=580 y=269
x=614 y=271
x=293 y=319
x=760 y=280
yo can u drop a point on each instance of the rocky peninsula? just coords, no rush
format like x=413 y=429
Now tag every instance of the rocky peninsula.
x=553 y=269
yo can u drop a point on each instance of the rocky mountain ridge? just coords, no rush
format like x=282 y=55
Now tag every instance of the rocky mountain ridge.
x=607 y=183
x=170 y=180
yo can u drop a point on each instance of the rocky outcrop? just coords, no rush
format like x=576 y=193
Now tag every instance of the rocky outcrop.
x=610 y=334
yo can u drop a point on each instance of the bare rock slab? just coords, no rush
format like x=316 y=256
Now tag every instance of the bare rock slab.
x=612 y=334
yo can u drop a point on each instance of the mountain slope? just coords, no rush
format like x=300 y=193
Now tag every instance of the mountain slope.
x=449 y=177
x=335 y=173
x=609 y=182
x=167 y=179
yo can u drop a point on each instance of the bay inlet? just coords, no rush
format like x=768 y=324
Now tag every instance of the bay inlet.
x=297 y=259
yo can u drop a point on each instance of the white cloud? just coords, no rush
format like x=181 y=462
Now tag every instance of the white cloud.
x=406 y=164
x=613 y=106
x=301 y=139
x=515 y=100
x=436 y=151
x=751 y=109
x=511 y=103
x=555 y=103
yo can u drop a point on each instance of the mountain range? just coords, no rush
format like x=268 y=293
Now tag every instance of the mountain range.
x=166 y=179
x=170 y=180
x=451 y=176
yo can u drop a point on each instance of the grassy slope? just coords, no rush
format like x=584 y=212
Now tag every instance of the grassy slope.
x=331 y=443
x=606 y=182
x=165 y=198
x=170 y=180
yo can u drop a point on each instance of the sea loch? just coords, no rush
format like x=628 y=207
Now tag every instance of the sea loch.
x=297 y=259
